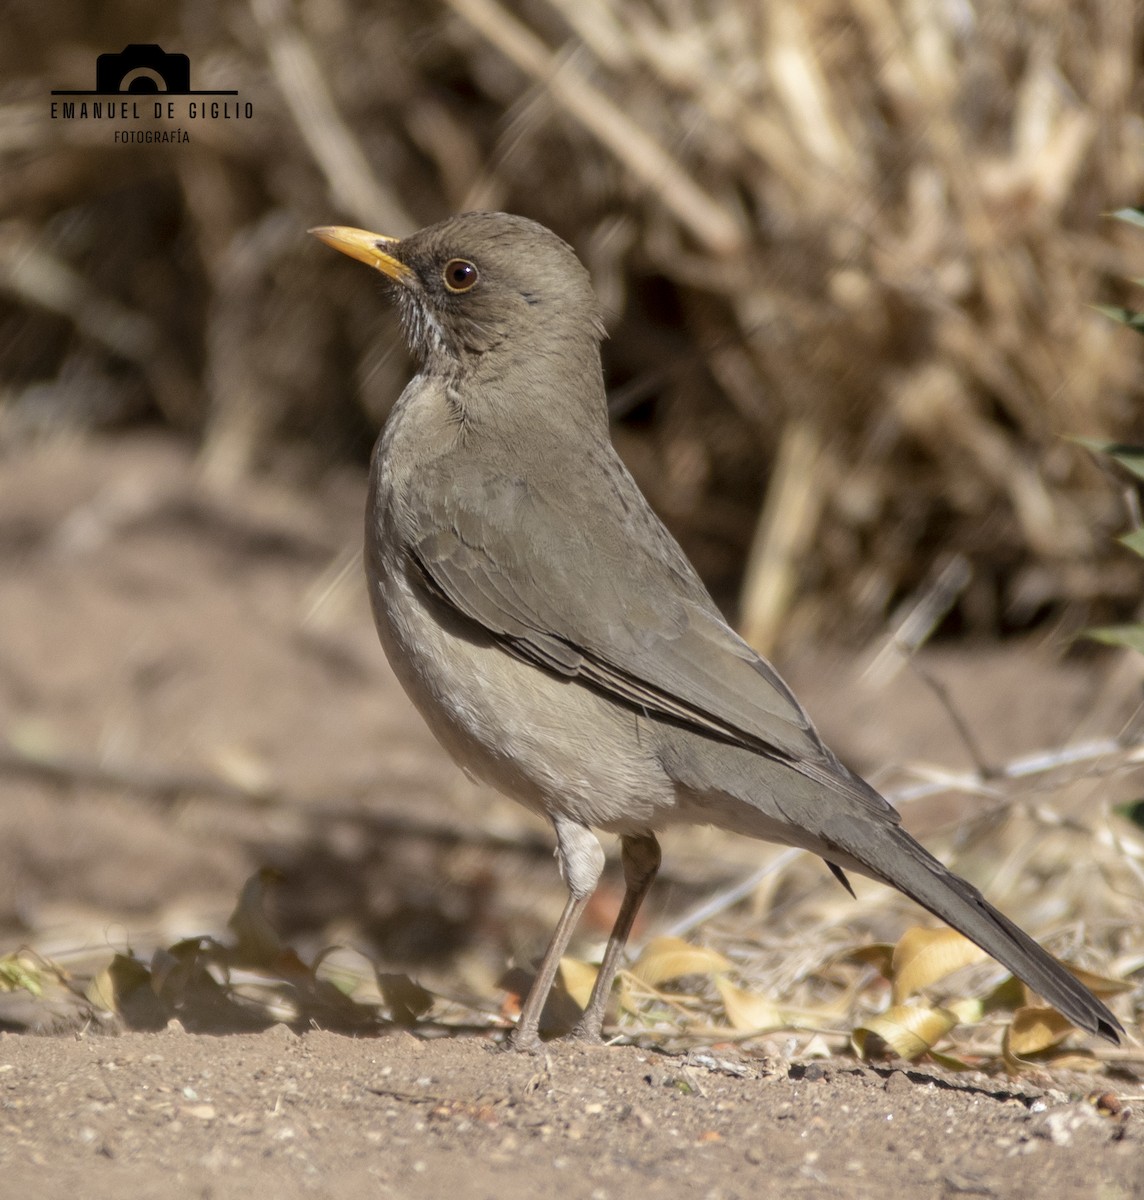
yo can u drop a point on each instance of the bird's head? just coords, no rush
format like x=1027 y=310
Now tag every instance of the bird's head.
x=481 y=282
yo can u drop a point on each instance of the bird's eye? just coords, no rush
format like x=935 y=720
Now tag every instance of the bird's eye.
x=459 y=275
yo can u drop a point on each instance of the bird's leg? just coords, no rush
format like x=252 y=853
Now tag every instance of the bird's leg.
x=641 y=859
x=581 y=861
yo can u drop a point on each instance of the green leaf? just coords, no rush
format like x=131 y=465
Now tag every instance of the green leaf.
x=1128 y=456
x=1125 y=316
x=1134 y=541
x=18 y=972
x=1119 y=635
x=1132 y=811
x=1134 y=216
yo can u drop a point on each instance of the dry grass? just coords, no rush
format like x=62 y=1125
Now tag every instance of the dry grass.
x=865 y=981
x=850 y=249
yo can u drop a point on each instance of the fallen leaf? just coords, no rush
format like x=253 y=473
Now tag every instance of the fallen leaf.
x=667 y=958
x=923 y=956
x=405 y=999
x=968 y=1011
x=578 y=978
x=258 y=942
x=878 y=955
x=904 y=1030
x=122 y=976
x=1034 y=1029
x=1099 y=985
x=748 y=1010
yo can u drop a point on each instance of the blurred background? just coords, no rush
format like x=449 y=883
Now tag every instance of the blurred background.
x=851 y=253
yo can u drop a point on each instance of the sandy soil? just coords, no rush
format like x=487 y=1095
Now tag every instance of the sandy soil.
x=190 y=689
x=280 y=1115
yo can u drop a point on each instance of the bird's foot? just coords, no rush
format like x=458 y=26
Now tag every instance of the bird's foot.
x=587 y=1033
x=523 y=1041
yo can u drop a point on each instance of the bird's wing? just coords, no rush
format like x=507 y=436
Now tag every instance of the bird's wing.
x=612 y=601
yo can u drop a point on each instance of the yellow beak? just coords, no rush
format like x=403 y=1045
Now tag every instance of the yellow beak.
x=366 y=248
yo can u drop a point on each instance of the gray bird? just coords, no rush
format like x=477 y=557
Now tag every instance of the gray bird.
x=555 y=637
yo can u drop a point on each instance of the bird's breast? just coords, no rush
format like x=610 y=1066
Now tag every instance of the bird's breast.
x=546 y=742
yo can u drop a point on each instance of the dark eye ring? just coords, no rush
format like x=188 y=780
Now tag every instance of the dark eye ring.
x=459 y=275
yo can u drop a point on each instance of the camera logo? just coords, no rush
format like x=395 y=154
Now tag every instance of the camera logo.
x=142 y=69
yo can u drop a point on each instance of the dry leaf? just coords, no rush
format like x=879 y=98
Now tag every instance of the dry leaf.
x=667 y=958
x=748 y=1010
x=1099 y=985
x=258 y=942
x=905 y=1031
x=1039 y=1031
x=951 y=1062
x=405 y=999
x=578 y=978
x=1073 y=1059
x=923 y=956
x=121 y=977
x=1033 y=1030
x=1009 y=994
x=968 y=1011
x=878 y=955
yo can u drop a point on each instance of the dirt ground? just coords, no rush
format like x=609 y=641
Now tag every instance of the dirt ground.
x=190 y=689
x=274 y=1114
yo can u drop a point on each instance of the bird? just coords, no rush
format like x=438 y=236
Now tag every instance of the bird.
x=554 y=635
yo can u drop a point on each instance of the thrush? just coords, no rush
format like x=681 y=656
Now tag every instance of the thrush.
x=555 y=637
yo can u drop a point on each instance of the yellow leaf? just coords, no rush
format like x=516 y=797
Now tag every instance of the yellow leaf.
x=117 y=982
x=967 y=1012
x=1069 y=1059
x=1099 y=985
x=1012 y=993
x=905 y=1031
x=923 y=956
x=1033 y=1030
x=667 y=958
x=578 y=978
x=950 y=1061
x=748 y=1010
x=1009 y=994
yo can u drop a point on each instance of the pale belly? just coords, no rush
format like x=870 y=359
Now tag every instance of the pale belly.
x=549 y=743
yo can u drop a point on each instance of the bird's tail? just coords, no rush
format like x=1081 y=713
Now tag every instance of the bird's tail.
x=897 y=859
